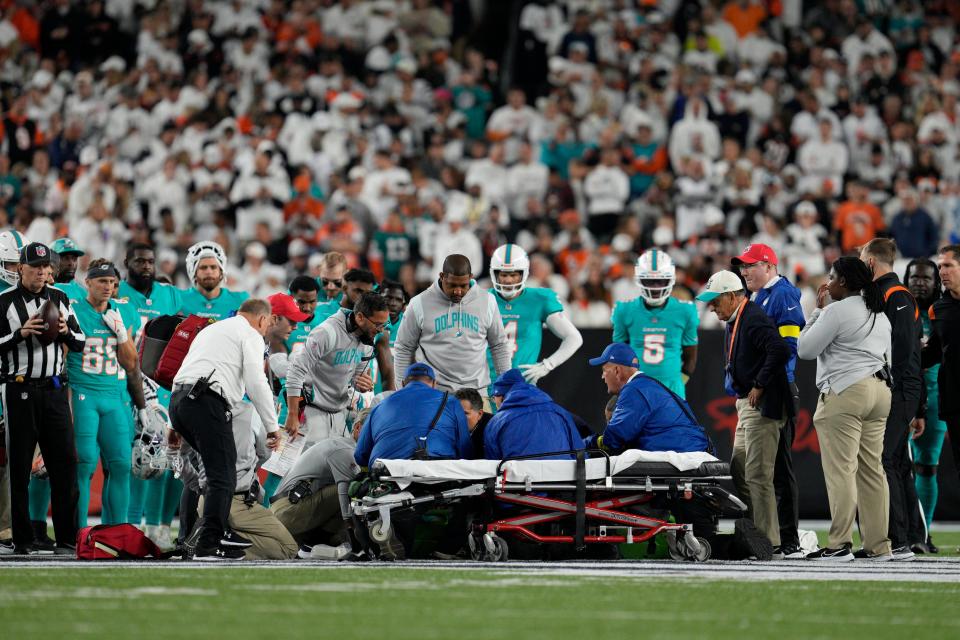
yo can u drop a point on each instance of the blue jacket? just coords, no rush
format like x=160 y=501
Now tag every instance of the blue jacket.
x=781 y=303
x=649 y=417
x=393 y=427
x=917 y=235
x=527 y=423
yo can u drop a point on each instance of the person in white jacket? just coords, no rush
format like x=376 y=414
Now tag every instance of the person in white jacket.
x=606 y=188
x=693 y=135
x=259 y=196
x=824 y=161
x=455 y=237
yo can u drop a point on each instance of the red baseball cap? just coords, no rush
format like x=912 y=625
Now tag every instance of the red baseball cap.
x=756 y=253
x=284 y=305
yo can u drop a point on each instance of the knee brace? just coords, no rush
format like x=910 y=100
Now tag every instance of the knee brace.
x=926 y=470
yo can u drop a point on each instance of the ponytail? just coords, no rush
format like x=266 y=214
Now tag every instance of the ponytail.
x=857 y=277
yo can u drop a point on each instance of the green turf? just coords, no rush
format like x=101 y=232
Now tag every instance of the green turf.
x=395 y=603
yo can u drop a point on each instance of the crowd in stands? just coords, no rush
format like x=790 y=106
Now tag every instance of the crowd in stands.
x=382 y=129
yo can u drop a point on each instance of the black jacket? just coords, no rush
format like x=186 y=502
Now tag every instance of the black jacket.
x=759 y=359
x=944 y=348
x=904 y=315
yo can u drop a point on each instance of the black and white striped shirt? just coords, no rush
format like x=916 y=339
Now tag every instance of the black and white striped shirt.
x=26 y=357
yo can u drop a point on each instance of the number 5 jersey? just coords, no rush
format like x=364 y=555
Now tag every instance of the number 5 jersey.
x=658 y=335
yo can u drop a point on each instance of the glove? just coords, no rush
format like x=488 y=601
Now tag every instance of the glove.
x=533 y=372
x=115 y=323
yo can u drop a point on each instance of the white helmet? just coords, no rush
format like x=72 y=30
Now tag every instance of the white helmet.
x=509 y=257
x=11 y=242
x=205 y=249
x=655 y=274
x=149 y=458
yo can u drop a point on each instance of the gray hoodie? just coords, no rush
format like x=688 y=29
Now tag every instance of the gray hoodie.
x=452 y=338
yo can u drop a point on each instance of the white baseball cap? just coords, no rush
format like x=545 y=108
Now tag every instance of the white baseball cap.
x=719 y=283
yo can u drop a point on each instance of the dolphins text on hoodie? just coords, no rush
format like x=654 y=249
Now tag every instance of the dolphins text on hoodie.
x=452 y=338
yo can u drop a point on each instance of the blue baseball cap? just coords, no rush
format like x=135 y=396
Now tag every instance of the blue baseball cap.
x=618 y=353
x=505 y=382
x=420 y=369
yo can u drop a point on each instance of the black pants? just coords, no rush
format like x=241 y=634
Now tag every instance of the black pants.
x=953 y=430
x=603 y=226
x=785 y=487
x=899 y=469
x=207 y=425
x=41 y=415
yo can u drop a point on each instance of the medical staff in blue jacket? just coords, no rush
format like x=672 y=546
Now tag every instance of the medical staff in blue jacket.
x=527 y=422
x=647 y=416
x=395 y=426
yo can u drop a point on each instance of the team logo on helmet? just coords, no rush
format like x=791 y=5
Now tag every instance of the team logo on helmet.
x=655 y=274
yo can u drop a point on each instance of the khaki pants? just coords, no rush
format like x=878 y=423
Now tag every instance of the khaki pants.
x=271 y=541
x=850 y=428
x=314 y=519
x=754 y=457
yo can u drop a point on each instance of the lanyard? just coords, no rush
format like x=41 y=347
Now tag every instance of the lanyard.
x=736 y=326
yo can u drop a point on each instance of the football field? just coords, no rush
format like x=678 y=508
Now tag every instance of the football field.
x=466 y=600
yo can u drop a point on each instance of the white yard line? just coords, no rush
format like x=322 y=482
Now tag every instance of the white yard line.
x=933 y=570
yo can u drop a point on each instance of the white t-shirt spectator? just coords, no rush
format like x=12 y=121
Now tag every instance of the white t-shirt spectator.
x=606 y=190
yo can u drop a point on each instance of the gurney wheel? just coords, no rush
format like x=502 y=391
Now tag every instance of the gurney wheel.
x=496 y=548
x=475 y=545
x=379 y=534
x=705 y=551
x=687 y=547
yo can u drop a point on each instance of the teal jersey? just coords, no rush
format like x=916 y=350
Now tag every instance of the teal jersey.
x=322 y=296
x=930 y=374
x=396 y=250
x=394 y=327
x=658 y=335
x=75 y=292
x=298 y=337
x=96 y=369
x=4 y=285
x=223 y=306
x=164 y=300
x=523 y=319
x=326 y=309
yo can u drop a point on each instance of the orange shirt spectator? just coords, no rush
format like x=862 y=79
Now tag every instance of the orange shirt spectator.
x=304 y=201
x=744 y=16
x=858 y=223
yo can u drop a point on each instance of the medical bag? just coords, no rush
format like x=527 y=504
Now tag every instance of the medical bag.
x=165 y=342
x=115 y=542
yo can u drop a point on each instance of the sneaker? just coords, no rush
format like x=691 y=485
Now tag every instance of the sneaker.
x=863 y=554
x=832 y=555
x=7 y=547
x=903 y=554
x=324 y=552
x=218 y=554
x=932 y=548
x=41 y=549
x=920 y=548
x=788 y=552
x=231 y=539
x=753 y=544
x=65 y=550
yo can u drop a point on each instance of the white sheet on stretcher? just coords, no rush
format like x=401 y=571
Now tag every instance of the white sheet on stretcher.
x=406 y=472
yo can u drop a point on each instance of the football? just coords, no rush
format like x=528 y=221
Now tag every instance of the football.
x=50 y=314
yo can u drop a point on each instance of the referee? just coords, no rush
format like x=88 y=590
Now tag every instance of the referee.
x=35 y=399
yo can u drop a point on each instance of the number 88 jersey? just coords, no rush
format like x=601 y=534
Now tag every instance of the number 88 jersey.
x=658 y=335
x=96 y=369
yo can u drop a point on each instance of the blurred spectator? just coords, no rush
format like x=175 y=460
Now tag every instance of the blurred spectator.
x=914 y=231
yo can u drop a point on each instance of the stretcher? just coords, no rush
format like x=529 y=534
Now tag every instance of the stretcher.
x=579 y=502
